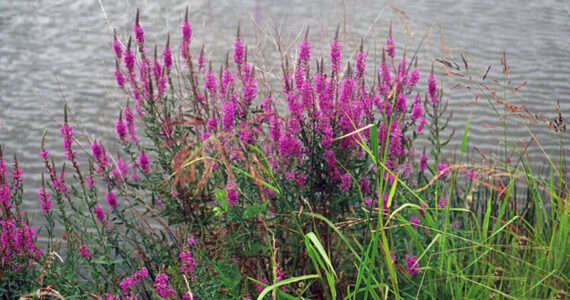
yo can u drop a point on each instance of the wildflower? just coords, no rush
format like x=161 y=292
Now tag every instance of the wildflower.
x=188 y=263
x=412 y=265
x=421 y=124
x=201 y=58
x=415 y=221
x=228 y=114
x=290 y=146
x=335 y=53
x=417 y=111
x=260 y=287
x=17 y=244
x=132 y=282
x=121 y=170
x=414 y=78
x=84 y=251
x=111 y=199
x=121 y=128
x=100 y=155
x=130 y=123
x=162 y=287
x=119 y=77
x=99 y=213
x=67 y=133
x=186 y=28
x=144 y=163
x=390 y=48
x=210 y=81
x=432 y=88
x=239 y=51
x=345 y=184
x=421 y=211
x=305 y=51
x=365 y=185
x=46 y=201
x=139 y=32
x=17 y=174
x=167 y=56
x=117 y=47
x=360 y=64
x=442 y=170
x=129 y=58
x=423 y=161
x=44 y=153
x=232 y=192
x=89 y=181
x=59 y=183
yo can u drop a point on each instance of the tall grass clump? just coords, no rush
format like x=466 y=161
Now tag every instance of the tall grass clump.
x=212 y=191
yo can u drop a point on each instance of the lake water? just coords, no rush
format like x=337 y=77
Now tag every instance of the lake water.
x=52 y=50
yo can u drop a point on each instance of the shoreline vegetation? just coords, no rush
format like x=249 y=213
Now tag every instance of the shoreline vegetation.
x=224 y=197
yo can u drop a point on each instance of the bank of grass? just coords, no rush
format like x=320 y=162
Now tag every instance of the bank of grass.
x=225 y=198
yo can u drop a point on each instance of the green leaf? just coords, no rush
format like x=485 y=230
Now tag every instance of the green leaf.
x=221 y=196
x=280 y=283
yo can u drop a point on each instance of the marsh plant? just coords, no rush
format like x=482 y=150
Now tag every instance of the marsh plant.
x=217 y=193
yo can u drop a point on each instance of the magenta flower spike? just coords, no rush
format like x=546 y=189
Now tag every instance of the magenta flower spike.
x=139 y=32
x=130 y=123
x=232 y=192
x=129 y=58
x=335 y=53
x=390 y=48
x=239 y=49
x=117 y=46
x=210 y=82
x=121 y=128
x=305 y=49
x=144 y=162
x=46 y=201
x=163 y=288
x=432 y=88
x=99 y=213
x=167 y=54
x=111 y=199
x=423 y=161
x=201 y=58
x=360 y=67
x=412 y=265
x=67 y=134
x=186 y=28
x=100 y=155
x=188 y=263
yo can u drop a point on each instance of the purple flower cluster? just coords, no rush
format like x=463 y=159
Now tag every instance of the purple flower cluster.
x=84 y=251
x=46 y=201
x=188 y=263
x=111 y=199
x=232 y=192
x=17 y=244
x=412 y=265
x=130 y=283
x=67 y=134
x=144 y=164
x=162 y=287
x=100 y=156
x=100 y=214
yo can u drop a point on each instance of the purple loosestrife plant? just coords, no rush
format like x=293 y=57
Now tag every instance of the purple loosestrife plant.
x=412 y=265
x=163 y=288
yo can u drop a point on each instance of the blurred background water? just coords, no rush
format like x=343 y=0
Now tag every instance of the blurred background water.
x=53 y=51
